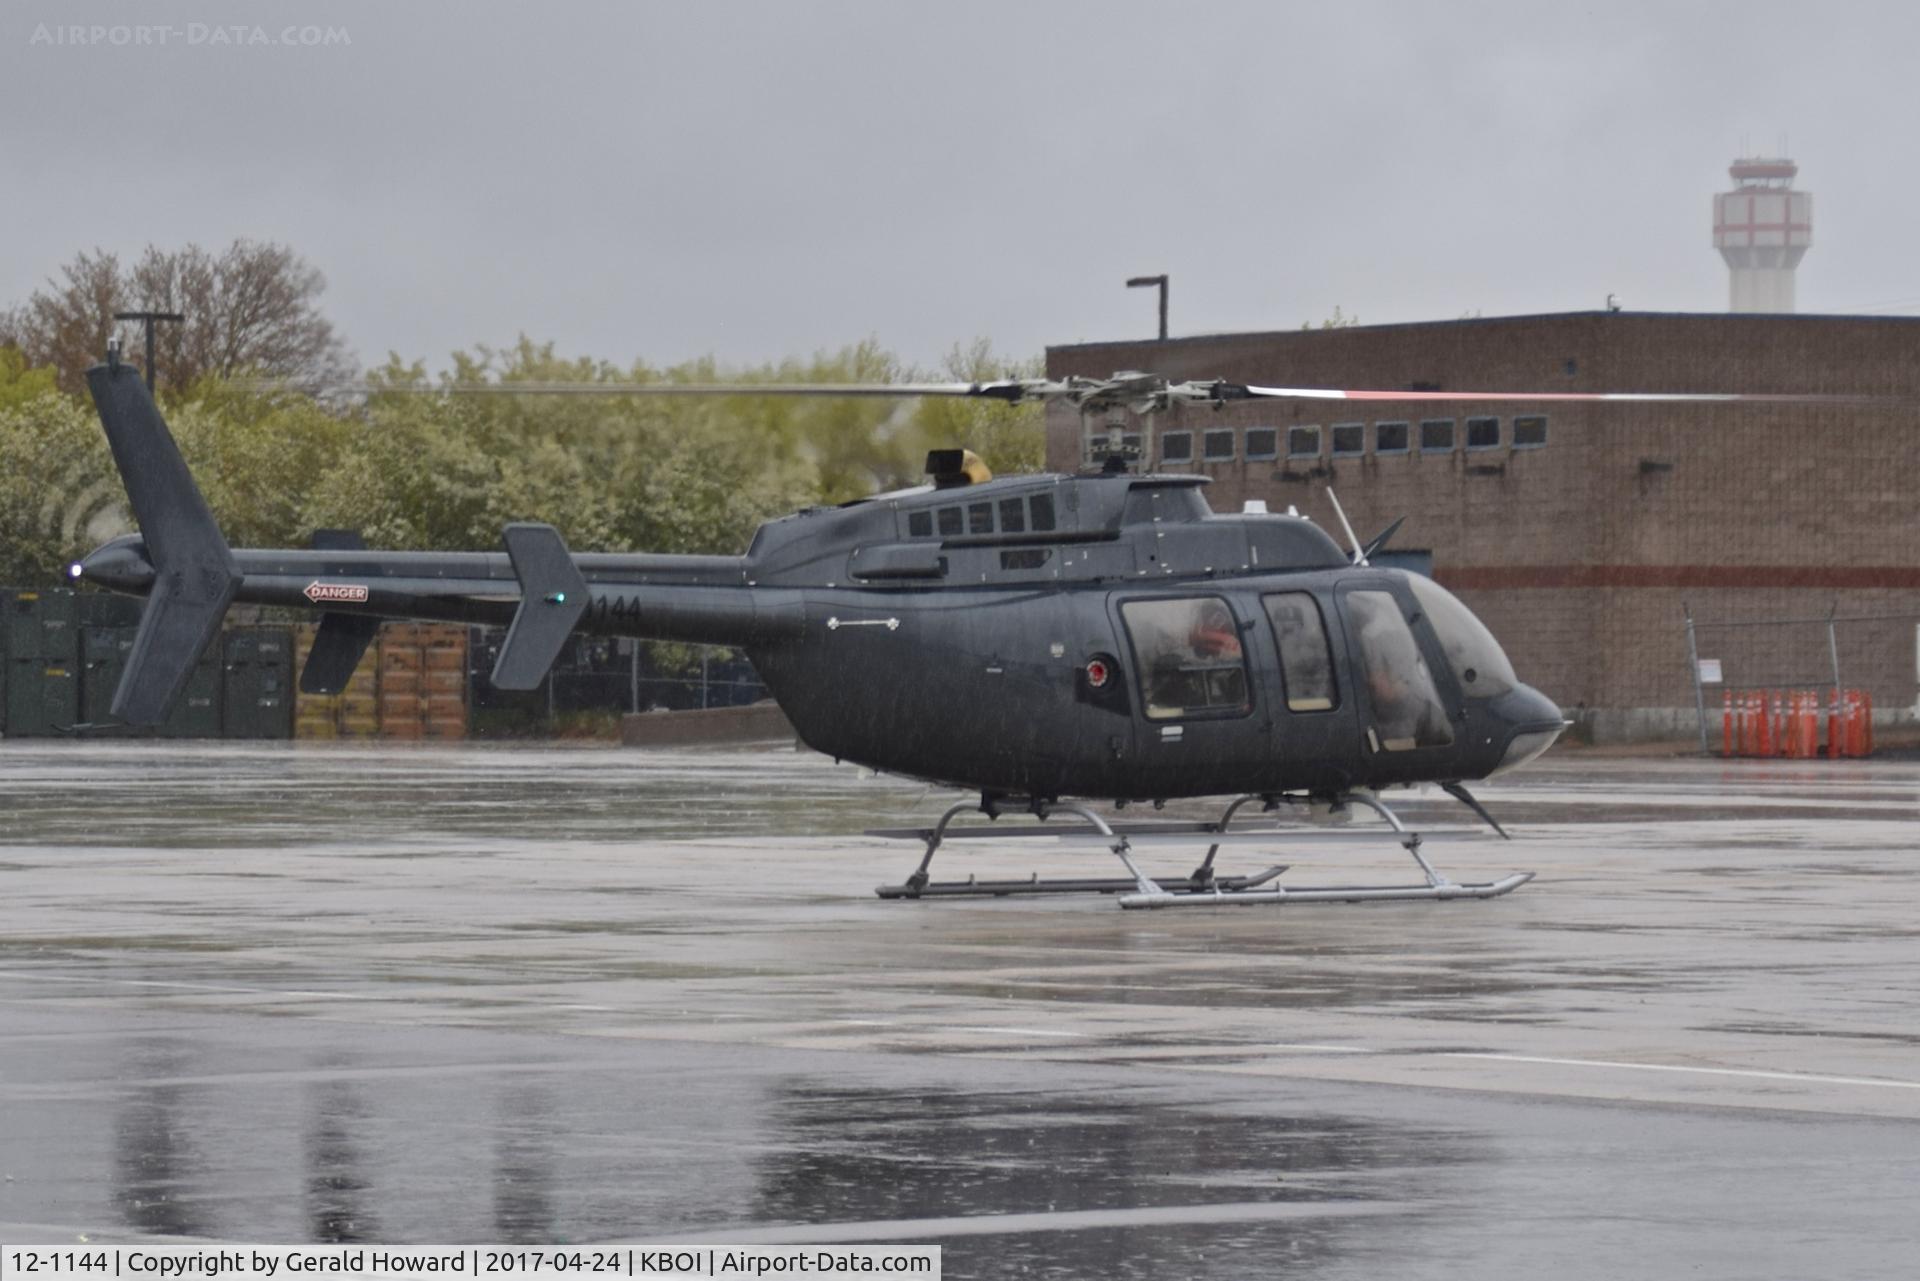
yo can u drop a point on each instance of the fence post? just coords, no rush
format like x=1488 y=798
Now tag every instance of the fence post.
x=1693 y=663
x=1833 y=647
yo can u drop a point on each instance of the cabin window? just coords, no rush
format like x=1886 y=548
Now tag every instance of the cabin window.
x=1483 y=433
x=950 y=522
x=1405 y=710
x=1530 y=432
x=1436 y=436
x=980 y=518
x=1349 y=440
x=920 y=524
x=1389 y=438
x=1263 y=442
x=1025 y=558
x=1176 y=447
x=1040 y=509
x=1303 y=442
x=1013 y=516
x=1219 y=445
x=1305 y=660
x=1189 y=657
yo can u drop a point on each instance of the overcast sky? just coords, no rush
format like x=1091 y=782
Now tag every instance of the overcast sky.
x=760 y=180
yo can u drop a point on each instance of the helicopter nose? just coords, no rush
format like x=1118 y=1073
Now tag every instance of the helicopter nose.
x=120 y=566
x=1535 y=722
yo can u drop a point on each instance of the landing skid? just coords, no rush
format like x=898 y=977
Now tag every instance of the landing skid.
x=1201 y=887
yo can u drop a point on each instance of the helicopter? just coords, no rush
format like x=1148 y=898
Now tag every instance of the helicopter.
x=1043 y=641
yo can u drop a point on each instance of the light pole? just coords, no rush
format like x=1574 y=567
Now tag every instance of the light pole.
x=1140 y=282
x=149 y=317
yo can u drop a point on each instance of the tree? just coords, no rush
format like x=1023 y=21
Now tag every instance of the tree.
x=1008 y=438
x=253 y=308
x=65 y=325
x=19 y=383
x=1337 y=320
x=59 y=493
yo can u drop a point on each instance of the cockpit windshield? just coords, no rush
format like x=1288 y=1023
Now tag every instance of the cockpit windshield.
x=1477 y=660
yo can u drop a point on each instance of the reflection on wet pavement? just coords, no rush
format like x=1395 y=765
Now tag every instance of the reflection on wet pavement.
x=532 y=995
x=855 y=1155
x=154 y=1158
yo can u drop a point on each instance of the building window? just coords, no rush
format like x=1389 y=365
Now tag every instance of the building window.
x=920 y=524
x=1389 y=438
x=1189 y=656
x=1530 y=432
x=1131 y=443
x=980 y=518
x=1305 y=660
x=1436 y=436
x=1176 y=447
x=950 y=521
x=1349 y=440
x=1219 y=445
x=1040 y=508
x=1013 y=516
x=1263 y=442
x=1483 y=433
x=1303 y=442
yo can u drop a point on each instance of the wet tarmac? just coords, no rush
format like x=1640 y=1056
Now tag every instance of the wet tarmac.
x=408 y=995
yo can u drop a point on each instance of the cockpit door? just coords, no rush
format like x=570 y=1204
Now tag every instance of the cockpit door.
x=1402 y=715
x=1312 y=712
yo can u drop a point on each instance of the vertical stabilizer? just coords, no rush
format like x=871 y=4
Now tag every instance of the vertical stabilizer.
x=195 y=576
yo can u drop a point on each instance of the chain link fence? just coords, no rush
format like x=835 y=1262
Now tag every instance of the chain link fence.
x=1828 y=653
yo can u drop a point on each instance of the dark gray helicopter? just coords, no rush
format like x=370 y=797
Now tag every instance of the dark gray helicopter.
x=1103 y=636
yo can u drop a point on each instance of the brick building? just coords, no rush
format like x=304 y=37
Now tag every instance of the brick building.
x=1582 y=533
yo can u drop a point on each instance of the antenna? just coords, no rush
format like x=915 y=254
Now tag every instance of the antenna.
x=1359 y=553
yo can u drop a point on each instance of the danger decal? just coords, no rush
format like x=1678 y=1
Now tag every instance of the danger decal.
x=332 y=593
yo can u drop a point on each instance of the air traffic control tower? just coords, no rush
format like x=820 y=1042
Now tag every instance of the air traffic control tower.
x=1762 y=227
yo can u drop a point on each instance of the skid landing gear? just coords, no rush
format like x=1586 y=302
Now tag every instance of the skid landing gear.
x=1199 y=888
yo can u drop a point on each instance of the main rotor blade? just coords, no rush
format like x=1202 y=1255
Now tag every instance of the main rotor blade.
x=1628 y=397
x=1008 y=391
x=1141 y=393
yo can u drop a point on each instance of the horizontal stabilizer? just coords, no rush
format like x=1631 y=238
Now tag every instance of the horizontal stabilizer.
x=553 y=596
x=338 y=646
x=195 y=577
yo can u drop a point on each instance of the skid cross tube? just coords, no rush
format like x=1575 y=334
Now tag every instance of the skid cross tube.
x=1203 y=874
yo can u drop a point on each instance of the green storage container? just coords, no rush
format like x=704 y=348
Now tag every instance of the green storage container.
x=43 y=697
x=43 y=624
x=258 y=695
x=42 y=641
x=103 y=657
x=109 y=609
x=198 y=713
